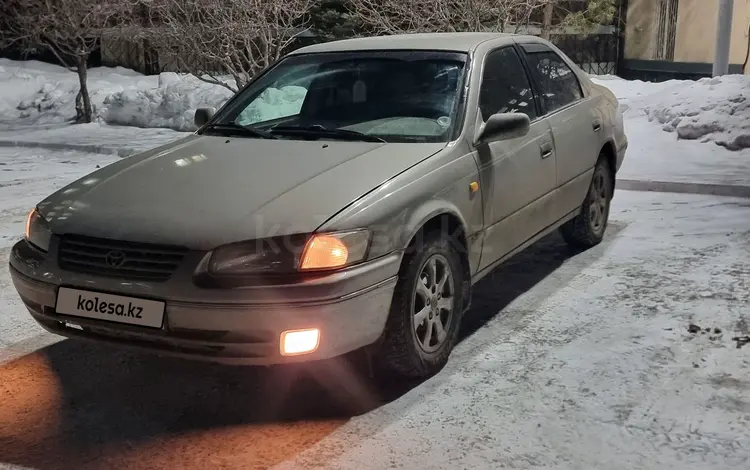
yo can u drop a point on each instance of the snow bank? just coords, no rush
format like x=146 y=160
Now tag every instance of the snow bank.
x=709 y=110
x=33 y=93
x=171 y=103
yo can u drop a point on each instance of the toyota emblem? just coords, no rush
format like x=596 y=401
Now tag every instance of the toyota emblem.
x=115 y=259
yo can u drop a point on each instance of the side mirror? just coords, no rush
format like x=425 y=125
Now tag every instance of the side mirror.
x=203 y=115
x=503 y=126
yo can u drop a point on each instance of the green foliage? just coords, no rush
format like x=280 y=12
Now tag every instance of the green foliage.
x=597 y=12
x=331 y=19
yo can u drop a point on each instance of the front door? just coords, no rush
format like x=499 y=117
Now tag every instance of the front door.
x=516 y=174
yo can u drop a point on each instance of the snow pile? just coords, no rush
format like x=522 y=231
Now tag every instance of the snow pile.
x=33 y=93
x=709 y=110
x=633 y=93
x=171 y=103
x=20 y=81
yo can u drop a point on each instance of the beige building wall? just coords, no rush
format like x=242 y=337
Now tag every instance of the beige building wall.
x=696 y=31
x=695 y=36
x=640 y=29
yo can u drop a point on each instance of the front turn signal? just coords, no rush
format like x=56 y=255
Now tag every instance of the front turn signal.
x=325 y=251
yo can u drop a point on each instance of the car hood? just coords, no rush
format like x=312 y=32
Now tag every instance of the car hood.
x=204 y=191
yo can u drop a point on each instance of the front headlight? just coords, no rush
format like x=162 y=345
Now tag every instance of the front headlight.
x=37 y=230
x=283 y=255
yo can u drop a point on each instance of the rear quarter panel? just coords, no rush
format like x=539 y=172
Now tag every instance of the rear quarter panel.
x=615 y=122
x=602 y=104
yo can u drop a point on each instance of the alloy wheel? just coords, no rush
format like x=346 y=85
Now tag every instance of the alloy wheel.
x=433 y=302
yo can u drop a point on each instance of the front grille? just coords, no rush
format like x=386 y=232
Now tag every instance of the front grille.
x=118 y=258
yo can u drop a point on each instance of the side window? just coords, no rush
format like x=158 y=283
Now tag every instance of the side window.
x=505 y=86
x=558 y=84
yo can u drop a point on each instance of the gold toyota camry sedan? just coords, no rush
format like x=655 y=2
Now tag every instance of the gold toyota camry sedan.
x=356 y=210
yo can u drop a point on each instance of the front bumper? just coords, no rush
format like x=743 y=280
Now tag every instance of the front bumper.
x=234 y=326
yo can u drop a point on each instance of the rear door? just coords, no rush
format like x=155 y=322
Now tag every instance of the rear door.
x=516 y=174
x=573 y=121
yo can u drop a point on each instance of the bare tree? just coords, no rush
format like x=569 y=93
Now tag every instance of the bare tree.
x=215 y=38
x=549 y=12
x=408 y=16
x=70 y=29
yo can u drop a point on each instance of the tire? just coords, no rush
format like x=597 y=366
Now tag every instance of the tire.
x=587 y=228
x=406 y=350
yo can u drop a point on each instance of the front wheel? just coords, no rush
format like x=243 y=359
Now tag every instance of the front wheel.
x=426 y=311
x=588 y=227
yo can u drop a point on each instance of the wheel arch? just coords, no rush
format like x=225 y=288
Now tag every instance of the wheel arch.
x=610 y=154
x=444 y=221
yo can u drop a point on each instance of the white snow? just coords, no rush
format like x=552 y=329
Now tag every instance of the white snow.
x=33 y=93
x=171 y=103
x=655 y=155
x=709 y=110
x=88 y=138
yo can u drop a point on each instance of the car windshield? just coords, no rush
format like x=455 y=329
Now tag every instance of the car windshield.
x=392 y=96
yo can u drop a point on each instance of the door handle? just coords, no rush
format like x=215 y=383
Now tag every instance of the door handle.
x=545 y=149
x=597 y=125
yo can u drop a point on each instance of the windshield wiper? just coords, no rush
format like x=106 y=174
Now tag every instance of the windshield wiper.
x=317 y=130
x=234 y=128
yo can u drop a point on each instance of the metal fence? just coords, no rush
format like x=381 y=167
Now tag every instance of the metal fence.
x=139 y=56
x=597 y=54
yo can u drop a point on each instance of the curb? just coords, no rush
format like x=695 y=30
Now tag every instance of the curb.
x=727 y=190
x=89 y=148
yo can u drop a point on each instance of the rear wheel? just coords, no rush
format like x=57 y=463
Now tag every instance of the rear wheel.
x=426 y=311
x=588 y=227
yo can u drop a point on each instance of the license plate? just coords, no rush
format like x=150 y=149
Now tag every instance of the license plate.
x=114 y=308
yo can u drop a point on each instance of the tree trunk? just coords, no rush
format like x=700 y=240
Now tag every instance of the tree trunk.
x=82 y=77
x=549 y=10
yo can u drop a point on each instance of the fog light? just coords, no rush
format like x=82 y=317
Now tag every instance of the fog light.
x=296 y=342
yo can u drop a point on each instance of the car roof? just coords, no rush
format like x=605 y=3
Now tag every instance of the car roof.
x=455 y=42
